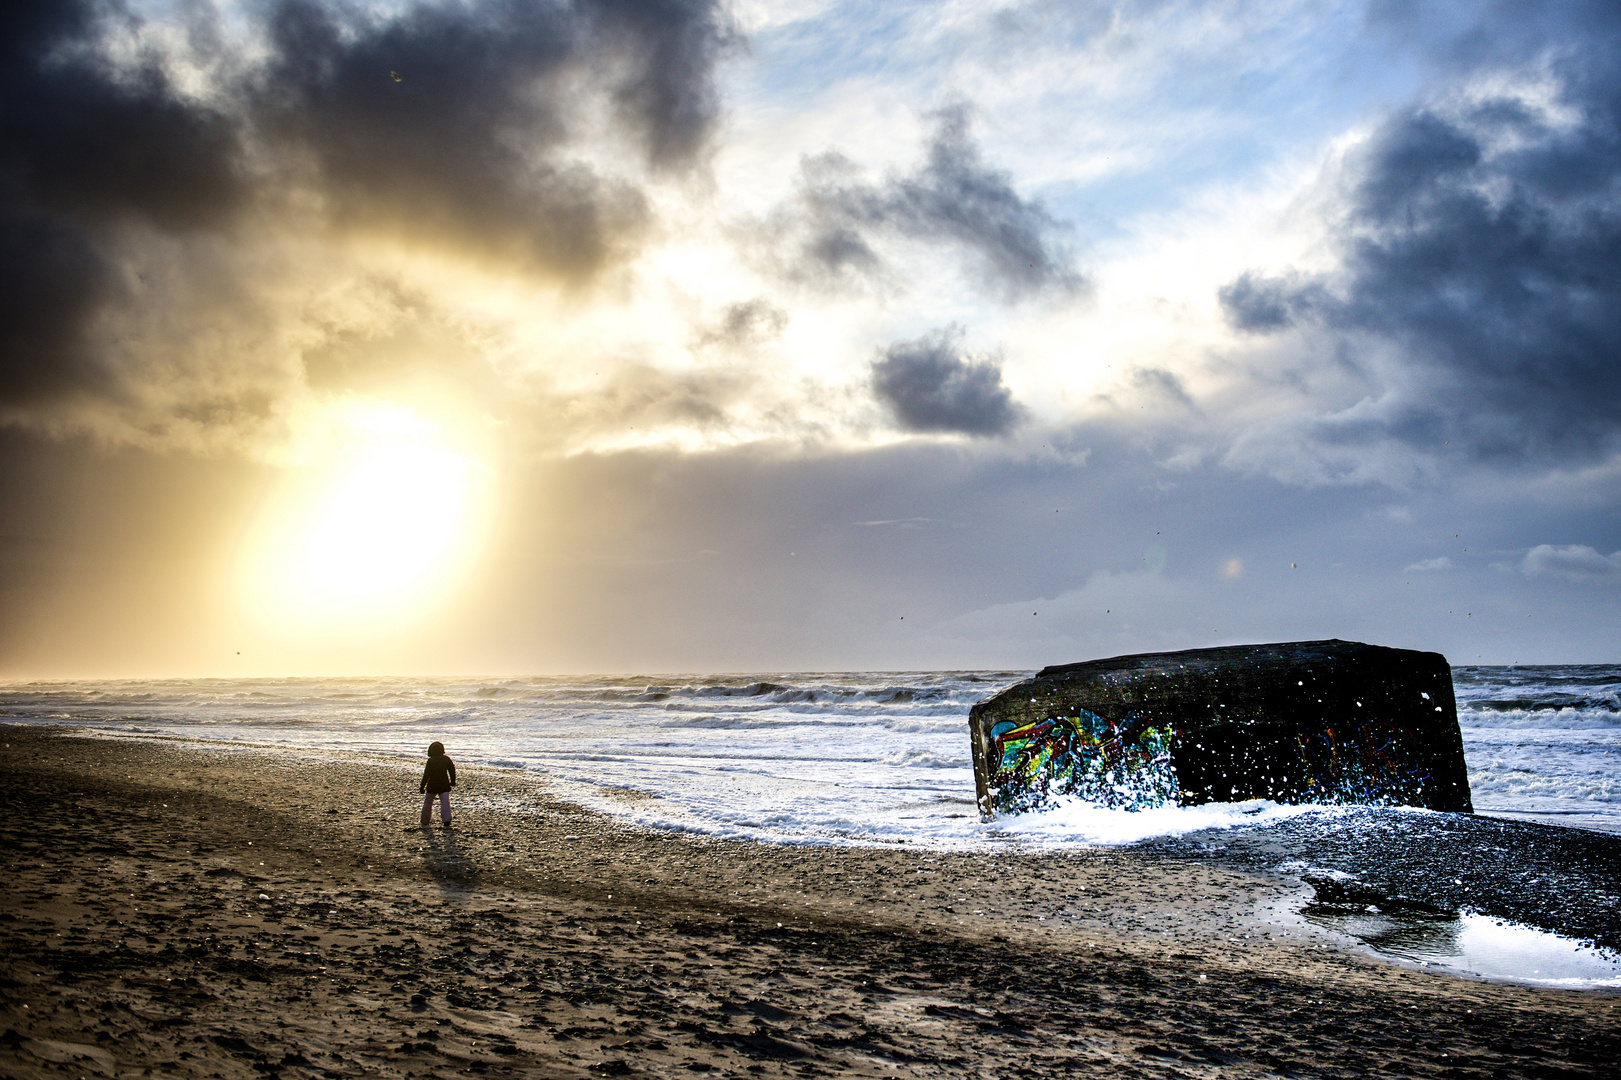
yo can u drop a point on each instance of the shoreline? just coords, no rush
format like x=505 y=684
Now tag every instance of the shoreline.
x=178 y=911
x=1563 y=880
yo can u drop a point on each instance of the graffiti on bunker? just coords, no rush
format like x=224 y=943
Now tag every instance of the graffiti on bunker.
x=1371 y=763
x=1122 y=765
x=1130 y=764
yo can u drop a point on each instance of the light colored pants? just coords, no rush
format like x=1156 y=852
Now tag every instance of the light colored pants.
x=444 y=809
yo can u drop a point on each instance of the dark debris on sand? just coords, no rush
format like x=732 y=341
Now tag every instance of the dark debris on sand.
x=1566 y=881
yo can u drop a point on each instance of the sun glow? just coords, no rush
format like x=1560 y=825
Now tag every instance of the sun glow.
x=373 y=532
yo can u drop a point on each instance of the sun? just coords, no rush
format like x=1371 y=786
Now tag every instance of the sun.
x=372 y=532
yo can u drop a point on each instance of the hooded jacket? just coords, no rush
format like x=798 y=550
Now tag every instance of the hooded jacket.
x=440 y=775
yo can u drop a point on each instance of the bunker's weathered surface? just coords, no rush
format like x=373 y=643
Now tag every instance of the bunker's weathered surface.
x=1310 y=721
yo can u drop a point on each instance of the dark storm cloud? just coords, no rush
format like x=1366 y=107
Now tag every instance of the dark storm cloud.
x=469 y=143
x=80 y=140
x=952 y=198
x=52 y=282
x=82 y=153
x=473 y=147
x=1484 y=244
x=1258 y=305
x=931 y=385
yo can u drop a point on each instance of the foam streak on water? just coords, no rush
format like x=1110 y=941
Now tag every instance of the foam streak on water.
x=828 y=758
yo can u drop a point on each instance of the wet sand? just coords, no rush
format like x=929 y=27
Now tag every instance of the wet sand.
x=172 y=910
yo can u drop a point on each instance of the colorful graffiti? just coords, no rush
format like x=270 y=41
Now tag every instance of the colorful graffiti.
x=1124 y=766
x=1372 y=763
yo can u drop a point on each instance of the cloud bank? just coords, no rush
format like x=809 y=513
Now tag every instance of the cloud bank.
x=1301 y=320
x=931 y=385
x=1477 y=276
x=180 y=203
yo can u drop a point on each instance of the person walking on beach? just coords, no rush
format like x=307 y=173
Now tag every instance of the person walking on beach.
x=437 y=779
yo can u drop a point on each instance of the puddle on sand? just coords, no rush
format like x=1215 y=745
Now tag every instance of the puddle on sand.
x=1467 y=944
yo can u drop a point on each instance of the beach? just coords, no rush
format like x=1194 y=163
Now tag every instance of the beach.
x=181 y=910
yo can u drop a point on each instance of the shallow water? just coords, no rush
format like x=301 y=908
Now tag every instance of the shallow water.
x=844 y=758
x=1469 y=944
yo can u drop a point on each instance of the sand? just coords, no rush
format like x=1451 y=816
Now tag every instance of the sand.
x=175 y=910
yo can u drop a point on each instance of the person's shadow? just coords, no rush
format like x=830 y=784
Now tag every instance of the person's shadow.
x=454 y=872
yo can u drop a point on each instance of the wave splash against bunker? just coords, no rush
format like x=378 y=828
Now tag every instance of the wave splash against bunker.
x=1299 y=722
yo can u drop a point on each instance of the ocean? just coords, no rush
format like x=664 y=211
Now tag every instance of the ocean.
x=834 y=758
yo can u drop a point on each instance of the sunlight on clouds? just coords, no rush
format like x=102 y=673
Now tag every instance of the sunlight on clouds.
x=373 y=531
x=1155 y=306
x=754 y=16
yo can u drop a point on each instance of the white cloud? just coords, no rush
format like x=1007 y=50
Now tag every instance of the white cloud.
x=1578 y=562
x=1425 y=566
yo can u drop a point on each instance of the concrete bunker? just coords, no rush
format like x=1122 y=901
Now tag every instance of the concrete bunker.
x=1296 y=722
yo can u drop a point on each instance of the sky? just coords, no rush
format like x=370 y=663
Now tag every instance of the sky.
x=509 y=338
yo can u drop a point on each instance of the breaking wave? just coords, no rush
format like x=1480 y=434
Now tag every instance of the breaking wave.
x=856 y=757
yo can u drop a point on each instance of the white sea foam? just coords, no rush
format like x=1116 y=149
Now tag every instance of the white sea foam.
x=858 y=758
x=1073 y=821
